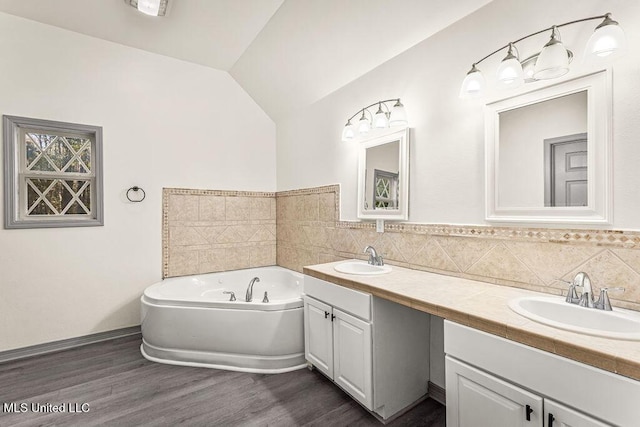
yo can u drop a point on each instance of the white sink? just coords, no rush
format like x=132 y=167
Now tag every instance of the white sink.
x=555 y=311
x=361 y=268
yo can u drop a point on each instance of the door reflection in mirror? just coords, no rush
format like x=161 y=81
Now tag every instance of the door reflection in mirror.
x=543 y=153
x=565 y=174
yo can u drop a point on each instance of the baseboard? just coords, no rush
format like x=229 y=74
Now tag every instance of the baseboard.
x=437 y=393
x=51 y=347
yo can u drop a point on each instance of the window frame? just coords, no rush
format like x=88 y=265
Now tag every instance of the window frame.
x=15 y=190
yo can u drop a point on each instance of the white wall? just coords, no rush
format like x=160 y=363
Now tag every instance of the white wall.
x=166 y=123
x=447 y=141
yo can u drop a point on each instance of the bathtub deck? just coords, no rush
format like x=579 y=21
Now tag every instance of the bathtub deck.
x=122 y=388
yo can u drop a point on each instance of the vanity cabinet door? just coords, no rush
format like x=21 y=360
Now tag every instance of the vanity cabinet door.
x=558 y=415
x=318 y=335
x=352 y=357
x=477 y=399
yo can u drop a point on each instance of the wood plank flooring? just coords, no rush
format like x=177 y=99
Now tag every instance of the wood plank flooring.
x=121 y=388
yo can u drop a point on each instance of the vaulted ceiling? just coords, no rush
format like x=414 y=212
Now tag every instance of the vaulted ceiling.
x=285 y=53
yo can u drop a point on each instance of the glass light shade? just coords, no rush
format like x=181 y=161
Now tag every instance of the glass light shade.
x=380 y=120
x=510 y=72
x=473 y=84
x=364 y=125
x=552 y=62
x=149 y=7
x=398 y=115
x=607 y=40
x=348 y=133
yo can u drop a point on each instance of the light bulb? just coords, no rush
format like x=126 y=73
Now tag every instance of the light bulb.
x=473 y=84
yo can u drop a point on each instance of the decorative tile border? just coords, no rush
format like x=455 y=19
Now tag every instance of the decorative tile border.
x=615 y=238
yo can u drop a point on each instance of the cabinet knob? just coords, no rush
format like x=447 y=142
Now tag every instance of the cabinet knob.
x=528 y=411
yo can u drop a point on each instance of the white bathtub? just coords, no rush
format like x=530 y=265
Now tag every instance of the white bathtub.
x=189 y=321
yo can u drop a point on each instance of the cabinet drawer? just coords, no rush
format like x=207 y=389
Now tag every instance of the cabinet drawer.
x=354 y=302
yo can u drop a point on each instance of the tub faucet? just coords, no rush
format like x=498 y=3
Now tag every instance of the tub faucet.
x=249 y=295
x=374 y=258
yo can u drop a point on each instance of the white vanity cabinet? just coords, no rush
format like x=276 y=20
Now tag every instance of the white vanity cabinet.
x=339 y=345
x=375 y=350
x=492 y=381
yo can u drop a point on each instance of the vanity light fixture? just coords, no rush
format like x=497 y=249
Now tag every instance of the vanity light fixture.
x=383 y=118
x=608 y=40
x=150 y=7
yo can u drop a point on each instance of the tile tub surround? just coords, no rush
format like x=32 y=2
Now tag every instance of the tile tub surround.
x=484 y=306
x=205 y=231
x=309 y=231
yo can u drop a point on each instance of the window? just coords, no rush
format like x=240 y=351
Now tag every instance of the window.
x=53 y=174
x=385 y=189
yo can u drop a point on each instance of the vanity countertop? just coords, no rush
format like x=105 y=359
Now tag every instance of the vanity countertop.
x=484 y=306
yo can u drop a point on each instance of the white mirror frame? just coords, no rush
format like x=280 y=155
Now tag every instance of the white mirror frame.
x=402 y=213
x=599 y=118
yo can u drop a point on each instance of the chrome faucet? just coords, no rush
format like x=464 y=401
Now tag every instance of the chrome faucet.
x=374 y=258
x=249 y=296
x=582 y=280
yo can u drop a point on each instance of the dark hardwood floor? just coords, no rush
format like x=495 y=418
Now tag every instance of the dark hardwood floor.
x=120 y=388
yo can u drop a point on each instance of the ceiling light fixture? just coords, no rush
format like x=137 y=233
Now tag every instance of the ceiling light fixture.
x=150 y=7
x=383 y=118
x=608 y=40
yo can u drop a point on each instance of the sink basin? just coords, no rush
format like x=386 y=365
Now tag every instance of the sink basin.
x=555 y=311
x=361 y=268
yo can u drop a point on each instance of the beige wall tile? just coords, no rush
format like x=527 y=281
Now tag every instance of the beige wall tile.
x=183 y=207
x=237 y=258
x=212 y=260
x=342 y=241
x=502 y=264
x=263 y=233
x=211 y=208
x=551 y=261
x=261 y=208
x=182 y=263
x=433 y=256
x=238 y=208
x=310 y=207
x=465 y=251
x=263 y=255
x=327 y=207
x=185 y=236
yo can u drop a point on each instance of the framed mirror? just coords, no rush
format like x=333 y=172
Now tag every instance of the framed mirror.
x=383 y=177
x=548 y=154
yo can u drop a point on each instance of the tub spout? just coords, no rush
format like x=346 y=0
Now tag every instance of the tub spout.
x=249 y=295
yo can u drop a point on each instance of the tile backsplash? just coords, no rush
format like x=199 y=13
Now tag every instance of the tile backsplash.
x=309 y=232
x=210 y=230
x=204 y=231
